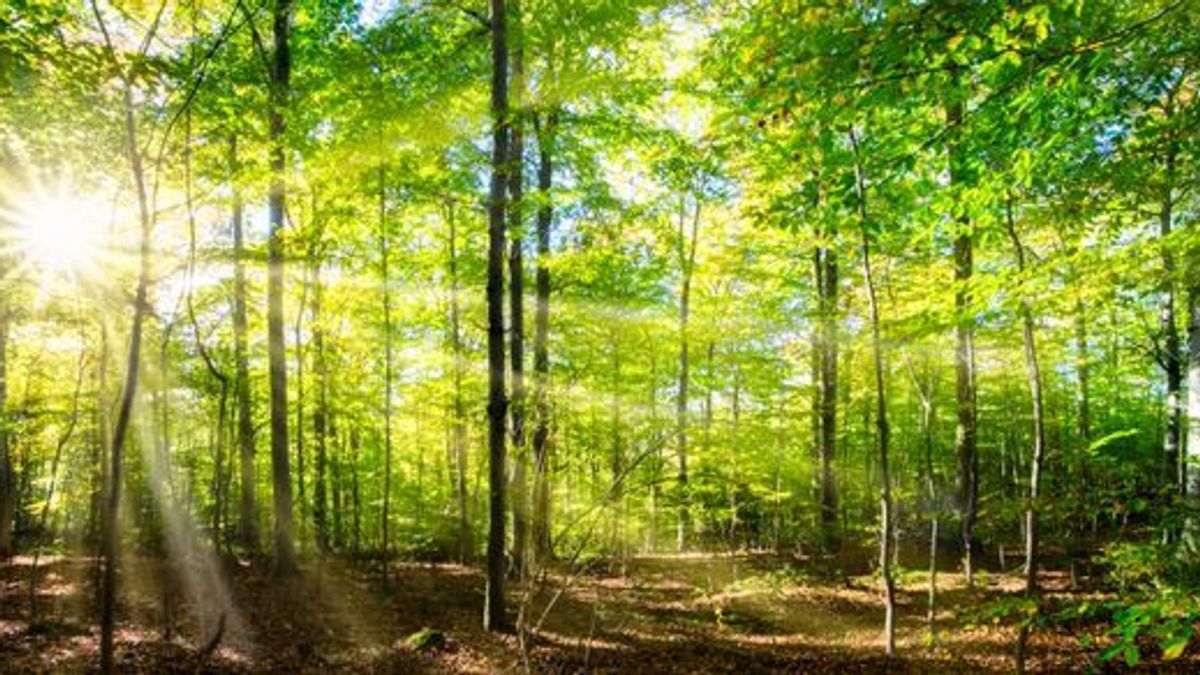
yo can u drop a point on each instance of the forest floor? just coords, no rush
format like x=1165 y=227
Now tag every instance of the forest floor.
x=667 y=614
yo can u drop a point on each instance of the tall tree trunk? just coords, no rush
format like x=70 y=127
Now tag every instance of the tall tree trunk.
x=883 y=432
x=927 y=419
x=1034 y=376
x=301 y=352
x=248 y=530
x=493 y=613
x=466 y=545
x=320 y=414
x=516 y=276
x=734 y=452
x=826 y=263
x=285 y=557
x=967 y=469
x=617 y=457
x=388 y=365
x=687 y=264
x=1192 y=476
x=541 y=352
x=1171 y=356
x=110 y=535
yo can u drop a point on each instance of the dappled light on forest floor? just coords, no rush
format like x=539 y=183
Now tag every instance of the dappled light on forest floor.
x=337 y=617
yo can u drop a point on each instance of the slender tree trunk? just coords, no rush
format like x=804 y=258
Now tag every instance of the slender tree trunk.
x=494 y=614
x=1192 y=476
x=219 y=466
x=541 y=353
x=617 y=457
x=1171 y=356
x=248 y=529
x=466 y=545
x=388 y=366
x=110 y=534
x=883 y=432
x=101 y=440
x=1039 y=438
x=516 y=275
x=966 y=476
x=320 y=415
x=301 y=393
x=734 y=451
x=927 y=419
x=827 y=274
x=687 y=264
x=285 y=557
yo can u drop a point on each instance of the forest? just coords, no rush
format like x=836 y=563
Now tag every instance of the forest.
x=617 y=336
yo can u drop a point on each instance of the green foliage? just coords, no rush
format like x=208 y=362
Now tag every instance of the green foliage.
x=426 y=640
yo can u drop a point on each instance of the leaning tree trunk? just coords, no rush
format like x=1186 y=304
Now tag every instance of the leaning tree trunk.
x=285 y=557
x=1039 y=439
x=493 y=613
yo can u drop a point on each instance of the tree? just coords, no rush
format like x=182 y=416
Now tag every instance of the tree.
x=248 y=526
x=110 y=536
x=493 y=610
x=281 y=65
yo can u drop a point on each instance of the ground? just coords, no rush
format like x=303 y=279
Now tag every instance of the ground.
x=667 y=614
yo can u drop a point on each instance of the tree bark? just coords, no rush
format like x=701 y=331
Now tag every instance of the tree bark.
x=516 y=274
x=110 y=536
x=1171 y=356
x=285 y=557
x=388 y=365
x=967 y=461
x=883 y=431
x=320 y=414
x=1034 y=377
x=466 y=545
x=825 y=425
x=494 y=614
x=542 y=550
x=248 y=529
x=687 y=264
x=1192 y=475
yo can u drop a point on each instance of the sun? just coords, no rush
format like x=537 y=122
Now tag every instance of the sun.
x=57 y=231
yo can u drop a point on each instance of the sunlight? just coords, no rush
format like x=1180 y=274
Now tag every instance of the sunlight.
x=59 y=232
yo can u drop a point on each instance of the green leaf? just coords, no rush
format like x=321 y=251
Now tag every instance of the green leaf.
x=1131 y=655
x=1173 y=647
